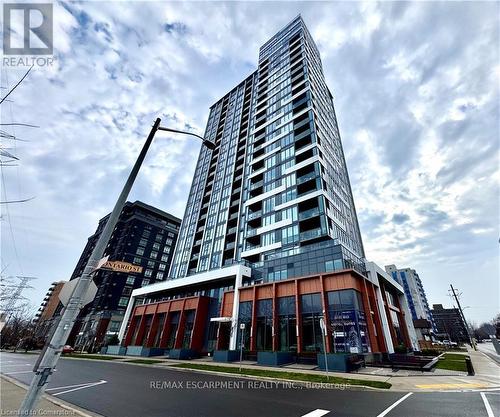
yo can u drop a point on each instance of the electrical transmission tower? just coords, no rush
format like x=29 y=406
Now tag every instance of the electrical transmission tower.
x=11 y=293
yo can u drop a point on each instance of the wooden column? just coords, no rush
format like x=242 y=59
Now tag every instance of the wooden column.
x=326 y=315
x=275 y=320
x=370 y=326
x=298 y=317
x=253 y=323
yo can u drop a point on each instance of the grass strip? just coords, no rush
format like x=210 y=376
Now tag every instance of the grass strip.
x=455 y=356
x=452 y=362
x=144 y=361
x=294 y=376
x=86 y=356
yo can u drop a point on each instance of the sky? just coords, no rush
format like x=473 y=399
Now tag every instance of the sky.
x=416 y=90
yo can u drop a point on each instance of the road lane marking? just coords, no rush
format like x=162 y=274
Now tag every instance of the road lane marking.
x=18 y=372
x=17 y=364
x=74 y=386
x=450 y=386
x=487 y=405
x=316 y=413
x=102 y=381
x=388 y=409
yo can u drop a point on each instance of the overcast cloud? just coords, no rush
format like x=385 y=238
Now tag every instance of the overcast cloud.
x=416 y=87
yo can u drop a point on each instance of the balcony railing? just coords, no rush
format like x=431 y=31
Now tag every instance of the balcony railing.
x=256 y=185
x=306 y=177
x=311 y=234
x=251 y=232
x=309 y=213
x=254 y=215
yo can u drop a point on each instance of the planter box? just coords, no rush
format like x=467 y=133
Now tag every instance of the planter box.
x=103 y=350
x=182 y=354
x=339 y=362
x=144 y=351
x=116 y=350
x=226 y=355
x=274 y=358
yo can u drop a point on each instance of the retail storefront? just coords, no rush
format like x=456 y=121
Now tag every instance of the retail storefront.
x=283 y=316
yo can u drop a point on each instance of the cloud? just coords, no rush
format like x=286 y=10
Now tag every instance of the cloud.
x=416 y=95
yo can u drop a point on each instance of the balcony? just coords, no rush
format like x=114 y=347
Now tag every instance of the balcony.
x=231 y=231
x=229 y=246
x=311 y=234
x=254 y=215
x=309 y=213
x=306 y=177
x=251 y=232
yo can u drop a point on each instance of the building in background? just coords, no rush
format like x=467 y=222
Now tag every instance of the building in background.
x=48 y=312
x=144 y=236
x=270 y=244
x=449 y=324
x=417 y=300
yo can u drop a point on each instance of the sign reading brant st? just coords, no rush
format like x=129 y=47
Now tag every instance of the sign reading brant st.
x=120 y=266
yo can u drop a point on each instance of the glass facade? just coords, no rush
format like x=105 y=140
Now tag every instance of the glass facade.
x=245 y=318
x=287 y=324
x=347 y=322
x=276 y=184
x=311 y=312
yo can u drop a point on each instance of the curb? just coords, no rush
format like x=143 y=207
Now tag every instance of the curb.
x=61 y=403
x=267 y=378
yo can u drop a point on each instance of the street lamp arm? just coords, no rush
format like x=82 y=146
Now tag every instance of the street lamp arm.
x=210 y=145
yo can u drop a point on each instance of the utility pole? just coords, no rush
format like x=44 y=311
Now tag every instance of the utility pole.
x=453 y=292
x=50 y=355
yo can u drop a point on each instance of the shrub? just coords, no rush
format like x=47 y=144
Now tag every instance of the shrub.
x=400 y=349
x=430 y=352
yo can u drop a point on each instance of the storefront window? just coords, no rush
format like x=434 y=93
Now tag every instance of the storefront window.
x=159 y=329
x=244 y=317
x=397 y=327
x=348 y=330
x=188 y=329
x=264 y=324
x=311 y=310
x=172 y=332
x=137 y=322
x=287 y=324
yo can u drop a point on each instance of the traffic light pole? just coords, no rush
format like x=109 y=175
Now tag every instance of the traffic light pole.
x=48 y=360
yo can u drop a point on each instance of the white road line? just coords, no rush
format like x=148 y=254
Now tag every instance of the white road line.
x=83 y=387
x=17 y=364
x=18 y=372
x=74 y=386
x=487 y=405
x=316 y=413
x=387 y=410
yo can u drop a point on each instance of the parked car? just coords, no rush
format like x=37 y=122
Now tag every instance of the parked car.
x=67 y=349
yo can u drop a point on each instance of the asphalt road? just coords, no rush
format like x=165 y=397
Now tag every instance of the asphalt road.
x=117 y=389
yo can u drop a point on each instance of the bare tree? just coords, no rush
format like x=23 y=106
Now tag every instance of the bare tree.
x=19 y=330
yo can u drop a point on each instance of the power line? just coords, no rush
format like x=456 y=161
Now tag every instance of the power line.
x=19 y=82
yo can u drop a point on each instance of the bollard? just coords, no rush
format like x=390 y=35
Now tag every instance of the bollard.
x=470 y=368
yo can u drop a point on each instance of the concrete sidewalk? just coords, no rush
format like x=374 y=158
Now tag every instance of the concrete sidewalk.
x=12 y=394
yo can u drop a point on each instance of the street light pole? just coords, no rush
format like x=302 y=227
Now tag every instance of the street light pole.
x=50 y=355
x=472 y=344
